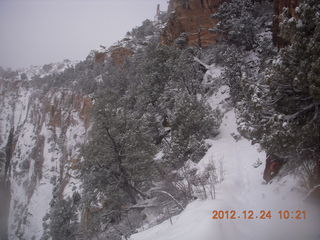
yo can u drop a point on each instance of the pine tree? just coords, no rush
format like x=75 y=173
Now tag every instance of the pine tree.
x=238 y=22
x=154 y=102
x=284 y=114
x=118 y=158
x=192 y=122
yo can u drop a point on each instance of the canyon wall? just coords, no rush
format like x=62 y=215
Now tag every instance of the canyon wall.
x=45 y=131
x=192 y=18
x=279 y=5
x=41 y=132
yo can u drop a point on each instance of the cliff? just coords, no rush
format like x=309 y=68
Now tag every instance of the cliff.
x=290 y=4
x=42 y=131
x=45 y=131
x=191 y=20
x=118 y=54
x=279 y=5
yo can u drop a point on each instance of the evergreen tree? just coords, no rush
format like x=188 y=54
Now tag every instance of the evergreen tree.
x=238 y=22
x=192 y=122
x=153 y=103
x=118 y=158
x=283 y=115
x=64 y=222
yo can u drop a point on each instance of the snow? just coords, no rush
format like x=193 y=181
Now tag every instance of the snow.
x=99 y=79
x=39 y=203
x=32 y=193
x=49 y=151
x=213 y=71
x=218 y=99
x=159 y=156
x=75 y=137
x=20 y=109
x=58 y=67
x=241 y=188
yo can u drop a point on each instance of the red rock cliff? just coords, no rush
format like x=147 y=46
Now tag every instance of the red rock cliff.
x=192 y=17
x=118 y=54
x=278 y=8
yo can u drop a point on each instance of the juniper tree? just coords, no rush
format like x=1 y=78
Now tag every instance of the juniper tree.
x=153 y=102
x=192 y=122
x=284 y=116
x=118 y=158
x=246 y=45
x=147 y=29
x=237 y=22
x=64 y=222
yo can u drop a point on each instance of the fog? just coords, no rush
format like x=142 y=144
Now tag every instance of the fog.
x=35 y=32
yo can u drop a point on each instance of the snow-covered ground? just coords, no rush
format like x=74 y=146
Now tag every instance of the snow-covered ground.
x=242 y=188
x=46 y=70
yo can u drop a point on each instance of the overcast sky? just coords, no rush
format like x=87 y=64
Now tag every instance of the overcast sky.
x=35 y=32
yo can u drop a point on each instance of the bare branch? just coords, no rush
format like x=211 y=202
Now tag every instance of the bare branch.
x=172 y=197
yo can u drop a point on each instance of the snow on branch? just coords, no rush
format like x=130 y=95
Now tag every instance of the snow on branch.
x=309 y=107
x=172 y=197
x=202 y=63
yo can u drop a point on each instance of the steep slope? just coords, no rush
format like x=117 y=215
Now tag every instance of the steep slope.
x=241 y=189
x=193 y=19
x=45 y=118
x=48 y=129
x=42 y=131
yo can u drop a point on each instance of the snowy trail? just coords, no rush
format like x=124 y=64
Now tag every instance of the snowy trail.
x=242 y=189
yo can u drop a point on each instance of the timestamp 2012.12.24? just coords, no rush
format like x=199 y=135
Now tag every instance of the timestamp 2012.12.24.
x=259 y=215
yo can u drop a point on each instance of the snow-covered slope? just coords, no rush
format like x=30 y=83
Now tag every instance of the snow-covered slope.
x=44 y=130
x=47 y=69
x=48 y=129
x=240 y=169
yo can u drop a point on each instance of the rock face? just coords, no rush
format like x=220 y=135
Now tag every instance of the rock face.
x=278 y=8
x=290 y=4
x=272 y=168
x=44 y=132
x=118 y=55
x=99 y=57
x=191 y=21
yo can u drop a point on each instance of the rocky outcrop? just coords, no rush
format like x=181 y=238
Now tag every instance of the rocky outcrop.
x=99 y=57
x=272 y=168
x=290 y=4
x=279 y=5
x=118 y=54
x=190 y=21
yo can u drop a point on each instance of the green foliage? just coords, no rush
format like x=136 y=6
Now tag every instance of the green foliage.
x=234 y=65
x=146 y=29
x=153 y=103
x=118 y=156
x=81 y=77
x=192 y=122
x=237 y=20
x=283 y=114
x=245 y=28
x=8 y=73
x=295 y=84
x=64 y=222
